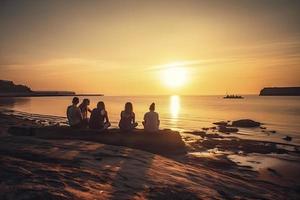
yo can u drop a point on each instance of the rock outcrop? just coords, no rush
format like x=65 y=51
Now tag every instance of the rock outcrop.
x=10 y=87
x=32 y=168
x=246 y=123
x=164 y=142
x=280 y=91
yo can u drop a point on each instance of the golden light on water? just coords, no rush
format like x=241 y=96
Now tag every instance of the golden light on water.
x=174 y=106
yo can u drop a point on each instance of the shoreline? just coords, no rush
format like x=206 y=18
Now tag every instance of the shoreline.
x=50 y=95
x=265 y=133
x=211 y=158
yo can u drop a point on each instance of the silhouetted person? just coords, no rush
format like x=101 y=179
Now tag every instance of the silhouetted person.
x=74 y=114
x=99 y=118
x=84 y=108
x=127 y=121
x=151 y=120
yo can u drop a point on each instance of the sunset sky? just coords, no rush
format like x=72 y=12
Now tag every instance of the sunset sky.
x=126 y=47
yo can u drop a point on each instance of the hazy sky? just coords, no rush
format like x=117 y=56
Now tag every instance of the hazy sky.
x=121 y=47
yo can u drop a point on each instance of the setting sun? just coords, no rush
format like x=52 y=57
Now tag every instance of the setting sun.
x=174 y=76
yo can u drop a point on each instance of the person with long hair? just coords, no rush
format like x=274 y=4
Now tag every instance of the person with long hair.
x=99 y=117
x=127 y=121
x=84 y=108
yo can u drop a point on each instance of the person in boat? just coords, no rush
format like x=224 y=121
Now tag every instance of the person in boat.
x=127 y=121
x=151 y=120
x=74 y=114
x=99 y=117
x=84 y=108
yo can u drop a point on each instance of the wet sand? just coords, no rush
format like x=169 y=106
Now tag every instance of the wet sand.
x=218 y=166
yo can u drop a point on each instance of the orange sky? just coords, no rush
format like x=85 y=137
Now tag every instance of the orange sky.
x=122 y=47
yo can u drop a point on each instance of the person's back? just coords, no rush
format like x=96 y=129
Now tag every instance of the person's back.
x=151 y=120
x=127 y=121
x=74 y=114
x=99 y=117
x=96 y=119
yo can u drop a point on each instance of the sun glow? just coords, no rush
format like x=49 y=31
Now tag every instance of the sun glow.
x=174 y=76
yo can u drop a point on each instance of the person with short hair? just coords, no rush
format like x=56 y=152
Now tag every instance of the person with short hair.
x=74 y=114
x=127 y=121
x=99 y=117
x=151 y=120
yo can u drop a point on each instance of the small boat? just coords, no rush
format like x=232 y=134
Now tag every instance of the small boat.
x=164 y=142
x=233 y=97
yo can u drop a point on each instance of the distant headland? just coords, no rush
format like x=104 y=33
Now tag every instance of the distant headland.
x=280 y=91
x=9 y=89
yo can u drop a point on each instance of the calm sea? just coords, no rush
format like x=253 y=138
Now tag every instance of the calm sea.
x=185 y=113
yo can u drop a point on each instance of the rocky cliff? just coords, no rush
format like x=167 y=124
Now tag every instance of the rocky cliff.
x=280 y=91
x=10 y=87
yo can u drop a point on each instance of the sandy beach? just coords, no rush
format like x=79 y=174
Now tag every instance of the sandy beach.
x=35 y=168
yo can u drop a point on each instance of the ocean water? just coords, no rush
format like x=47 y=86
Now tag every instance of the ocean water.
x=186 y=113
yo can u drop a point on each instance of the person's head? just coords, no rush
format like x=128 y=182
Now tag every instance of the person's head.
x=75 y=101
x=86 y=102
x=152 y=107
x=128 y=107
x=101 y=105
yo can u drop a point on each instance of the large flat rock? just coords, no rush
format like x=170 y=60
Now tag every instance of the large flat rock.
x=32 y=168
x=164 y=142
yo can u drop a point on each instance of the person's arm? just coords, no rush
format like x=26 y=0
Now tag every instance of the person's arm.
x=144 y=122
x=79 y=114
x=158 y=121
x=133 y=117
x=68 y=112
x=106 y=117
x=89 y=109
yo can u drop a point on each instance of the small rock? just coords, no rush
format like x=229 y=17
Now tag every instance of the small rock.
x=246 y=123
x=225 y=129
x=272 y=131
x=221 y=123
x=287 y=138
x=205 y=129
x=262 y=127
x=200 y=133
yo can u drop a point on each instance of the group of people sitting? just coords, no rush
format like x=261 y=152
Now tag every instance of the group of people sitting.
x=78 y=117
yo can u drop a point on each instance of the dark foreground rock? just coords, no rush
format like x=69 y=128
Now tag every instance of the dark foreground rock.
x=48 y=168
x=246 y=123
x=32 y=168
x=164 y=142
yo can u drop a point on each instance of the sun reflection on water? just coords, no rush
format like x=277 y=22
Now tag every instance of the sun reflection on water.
x=174 y=106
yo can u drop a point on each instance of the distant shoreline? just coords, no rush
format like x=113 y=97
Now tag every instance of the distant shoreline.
x=47 y=95
x=280 y=91
x=9 y=89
